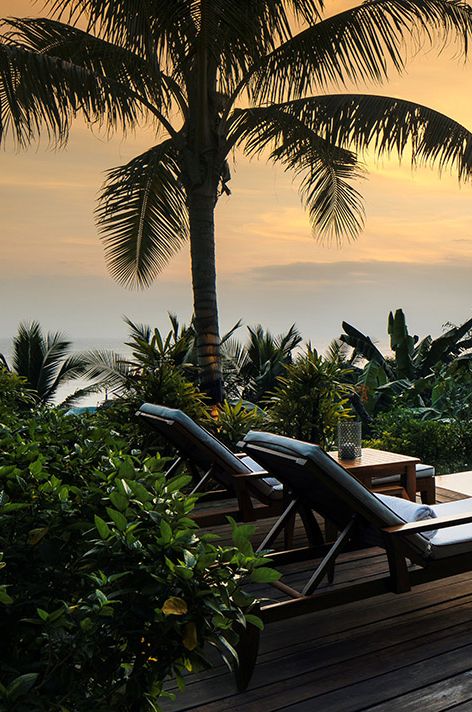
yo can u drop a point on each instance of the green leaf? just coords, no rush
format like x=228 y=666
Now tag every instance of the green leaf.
x=102 y=526
x=184 y=572
x=5 y=598
x=254 y=620
x=119 y=519
x=264 y=575
x=21 y=685
x=35 y=535
x=220 y=621
x=166 y=532
x=140 y=492
x=36 y=467
x=242 y=543
x=189 y=559
x=177 y=483
x=120 y=501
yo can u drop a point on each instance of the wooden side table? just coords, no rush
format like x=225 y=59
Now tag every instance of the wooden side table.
x=380 y=463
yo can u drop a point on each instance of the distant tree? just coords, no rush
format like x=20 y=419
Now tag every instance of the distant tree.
x=251 y=370
x=45 y=362
x=214 y=76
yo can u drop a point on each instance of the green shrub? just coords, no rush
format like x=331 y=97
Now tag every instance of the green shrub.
x=15 y=394
x=231 y=421
x=107 y=587
x=445 y=444
x=311 y=398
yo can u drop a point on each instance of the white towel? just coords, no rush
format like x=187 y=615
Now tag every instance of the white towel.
x=409 y=511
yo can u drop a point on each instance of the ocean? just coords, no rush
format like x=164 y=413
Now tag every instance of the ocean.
x=78 y=345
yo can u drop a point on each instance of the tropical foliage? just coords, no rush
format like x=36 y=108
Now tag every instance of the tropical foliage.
x=421 y=373
x=213 y=77
x=310 y=399
x=45 y=362
x=231 y=421
x=446 y=444
x=16 y=395
x=251 y=369
x=107 y=588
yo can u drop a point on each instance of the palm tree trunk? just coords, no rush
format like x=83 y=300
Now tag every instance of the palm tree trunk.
x=201 y=205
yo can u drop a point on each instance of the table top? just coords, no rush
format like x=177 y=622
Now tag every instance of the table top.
x=376 y=459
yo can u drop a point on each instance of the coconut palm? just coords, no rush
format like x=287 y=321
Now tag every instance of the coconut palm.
x=214 y=76
x=45 y=362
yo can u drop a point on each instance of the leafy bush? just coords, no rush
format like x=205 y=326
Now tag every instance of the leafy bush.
x=310 y=399
x=231 y=421
x=15 y=394
x=106 y=586
x=161 y=369
x=251 y=370
x=446 y=445
x=418 y=373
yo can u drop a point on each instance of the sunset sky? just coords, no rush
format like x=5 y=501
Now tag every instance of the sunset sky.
x=415 y=252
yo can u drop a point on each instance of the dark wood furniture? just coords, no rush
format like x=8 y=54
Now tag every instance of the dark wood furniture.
x=379 y=463
x=362 y=519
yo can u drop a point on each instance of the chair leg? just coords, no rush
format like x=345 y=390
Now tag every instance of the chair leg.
x=397 y=564
x=428 y=493
x=289 y=530
x=247 y=649
x=312 y=528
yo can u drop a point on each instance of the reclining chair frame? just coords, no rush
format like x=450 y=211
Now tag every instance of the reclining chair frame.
x=395 y=541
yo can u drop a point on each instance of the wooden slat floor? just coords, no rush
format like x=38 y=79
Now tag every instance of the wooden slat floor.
x=394 y=652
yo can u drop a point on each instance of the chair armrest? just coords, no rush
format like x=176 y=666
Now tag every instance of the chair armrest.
x=426 y=525
x=252 y=475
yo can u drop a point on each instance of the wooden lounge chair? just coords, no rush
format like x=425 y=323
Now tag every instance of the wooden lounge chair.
x=417 y=551
x=425 y=483
x=258 y=494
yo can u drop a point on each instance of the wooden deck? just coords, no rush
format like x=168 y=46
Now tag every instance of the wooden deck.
x=394 y=652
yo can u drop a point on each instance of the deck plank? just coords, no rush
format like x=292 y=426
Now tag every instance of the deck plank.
x=406 y=652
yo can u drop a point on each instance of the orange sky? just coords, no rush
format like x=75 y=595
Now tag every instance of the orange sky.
x=415 y=252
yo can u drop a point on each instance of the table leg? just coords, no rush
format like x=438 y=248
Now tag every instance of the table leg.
x=410 y=483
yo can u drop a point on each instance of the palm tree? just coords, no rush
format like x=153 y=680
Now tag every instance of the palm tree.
x=44 y=363
x=214 y=76
x=252 y=370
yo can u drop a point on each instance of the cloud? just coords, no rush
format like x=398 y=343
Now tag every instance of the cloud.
x=355 y=272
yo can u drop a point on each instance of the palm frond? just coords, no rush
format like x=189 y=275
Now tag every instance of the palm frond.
x=140 y=25
x=107 y=369
x=118 y=67
x=75 y=397
x=326 y=171
x=386 y=126
x=28 y=352
x=55 y=349
x=69 y=369
x=142 y=216
x=229 y=334
x=43 y=360
x=360 y=44
x=138 y=331
x=41 y=94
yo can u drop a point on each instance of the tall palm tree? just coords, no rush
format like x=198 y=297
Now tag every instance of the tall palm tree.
x=44 y=362
x=214 y=76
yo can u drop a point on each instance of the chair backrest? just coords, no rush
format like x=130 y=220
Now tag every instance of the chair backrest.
x=200 y=447
x=311 y=474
